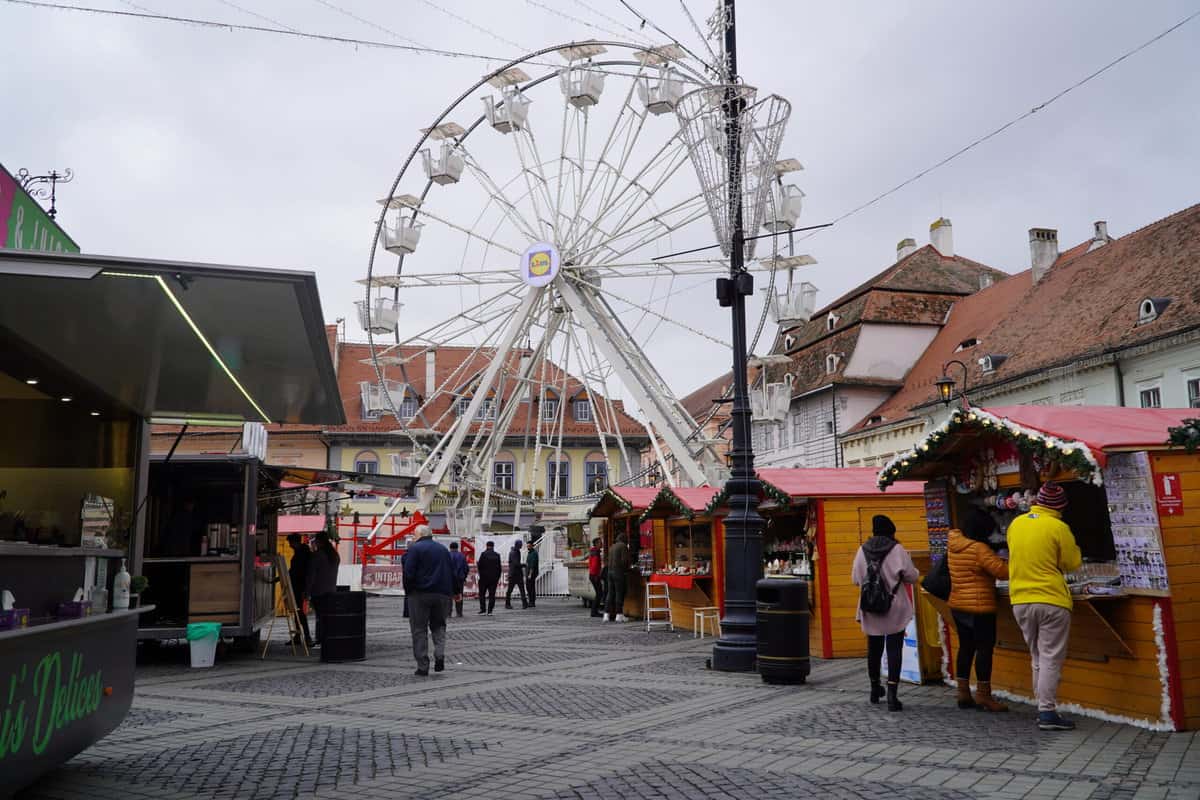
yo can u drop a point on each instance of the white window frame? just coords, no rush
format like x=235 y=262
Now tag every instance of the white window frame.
x=366 y=467
x=582 y=410
x=461 y=405
x=831 y=363
x=1192 y=385
x=504 y=475
x=562 y=474
x=487 y=409
x=1153 y=388
x=408 y=407
x=549 y=409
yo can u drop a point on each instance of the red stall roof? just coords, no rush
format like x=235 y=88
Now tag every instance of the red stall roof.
x=685 y=501
x=1078 y=437
x=1099 y=427
x=827 y=482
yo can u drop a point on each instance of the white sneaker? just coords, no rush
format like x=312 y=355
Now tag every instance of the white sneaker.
x=605 y=619
x=621 y=618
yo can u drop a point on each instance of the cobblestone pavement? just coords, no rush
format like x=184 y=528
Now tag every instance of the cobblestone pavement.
x=549 y=703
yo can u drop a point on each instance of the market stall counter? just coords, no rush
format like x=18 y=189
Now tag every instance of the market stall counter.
x=686 y=551
x=1134 y=511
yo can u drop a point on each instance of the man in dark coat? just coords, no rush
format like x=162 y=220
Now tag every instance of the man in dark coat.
x=618 y=567
x=459 y=563
x=531 y=574
x=488 y=568
x=428 y=583
x=516 y=575
x=298 y=574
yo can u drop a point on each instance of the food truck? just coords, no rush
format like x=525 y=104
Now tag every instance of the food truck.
x=92 y=350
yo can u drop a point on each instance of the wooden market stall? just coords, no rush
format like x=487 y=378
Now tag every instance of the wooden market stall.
x=621 y=508
x=816 y=520
x=687 y=551
x=1134 y=510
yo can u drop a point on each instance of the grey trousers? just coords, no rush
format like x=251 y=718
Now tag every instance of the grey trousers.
x=1046 y=629
x=427 y=613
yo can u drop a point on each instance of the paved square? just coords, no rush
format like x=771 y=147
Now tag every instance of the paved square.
x=550 y=703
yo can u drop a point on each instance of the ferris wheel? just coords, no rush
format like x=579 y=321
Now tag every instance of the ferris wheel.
x=536 y=223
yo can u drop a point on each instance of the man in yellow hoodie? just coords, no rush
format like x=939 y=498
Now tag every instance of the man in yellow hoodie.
x=1041 y=551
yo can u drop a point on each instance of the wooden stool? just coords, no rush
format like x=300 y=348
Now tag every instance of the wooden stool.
x=704 y=614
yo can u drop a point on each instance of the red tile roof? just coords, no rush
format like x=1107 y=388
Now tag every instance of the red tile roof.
x=455 y=368
x=1087 y=305
x=970 y=318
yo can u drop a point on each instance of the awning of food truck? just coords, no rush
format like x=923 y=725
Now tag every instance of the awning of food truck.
x=364 y=483
x=168 y=340
x=1076 y=437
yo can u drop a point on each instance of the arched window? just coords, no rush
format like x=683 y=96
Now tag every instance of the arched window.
x=558 y=478
x=595 y=473
x=366 y=462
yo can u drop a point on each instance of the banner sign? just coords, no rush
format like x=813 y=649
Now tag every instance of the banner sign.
x=382 y=577
x=23 y=223
x=1168 y=491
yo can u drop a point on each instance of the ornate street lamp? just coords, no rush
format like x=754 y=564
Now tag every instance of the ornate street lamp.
x=32 y=184
x=945 y=384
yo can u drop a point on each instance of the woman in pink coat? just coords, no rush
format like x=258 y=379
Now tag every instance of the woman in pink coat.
x=885 y=631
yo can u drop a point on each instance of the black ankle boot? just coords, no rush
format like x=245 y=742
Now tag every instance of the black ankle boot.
x=876 y=692
x=894 y=703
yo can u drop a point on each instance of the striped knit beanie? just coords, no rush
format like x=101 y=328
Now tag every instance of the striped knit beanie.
x=1051 y=495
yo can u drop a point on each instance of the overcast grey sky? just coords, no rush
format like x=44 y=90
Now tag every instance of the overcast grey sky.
x=246 y=148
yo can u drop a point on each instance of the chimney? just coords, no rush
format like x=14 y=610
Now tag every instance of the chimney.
x=941 y=236
x=1100 y=236
x=1043 y=251
x=430 y=371
x=906 y=247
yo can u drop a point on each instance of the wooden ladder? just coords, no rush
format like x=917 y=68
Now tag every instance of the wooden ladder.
x=658 y=606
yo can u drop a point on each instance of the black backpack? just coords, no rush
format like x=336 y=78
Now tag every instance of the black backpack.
x=874 y=597
x=937 y=582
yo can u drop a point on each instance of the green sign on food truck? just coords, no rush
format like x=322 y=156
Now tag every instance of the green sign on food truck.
x=23 y=223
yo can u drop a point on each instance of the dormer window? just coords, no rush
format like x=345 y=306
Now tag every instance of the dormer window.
x=991 y=362
x=831 y=363
x=1150 y=308
x=966 y=344
x=875 y=420
x=831 y=321
x=789 y=341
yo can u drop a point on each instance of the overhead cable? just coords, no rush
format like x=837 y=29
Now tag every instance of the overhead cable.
x=1013 y=121
x=246 y=11
x=647 y=21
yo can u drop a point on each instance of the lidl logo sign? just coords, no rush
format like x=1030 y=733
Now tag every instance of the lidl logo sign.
x=539 y=264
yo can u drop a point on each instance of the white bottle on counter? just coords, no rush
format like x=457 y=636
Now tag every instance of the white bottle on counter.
x=120 y=599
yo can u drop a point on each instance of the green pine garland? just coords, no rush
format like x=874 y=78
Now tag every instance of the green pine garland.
x=1186 y=435
x=1072 y=456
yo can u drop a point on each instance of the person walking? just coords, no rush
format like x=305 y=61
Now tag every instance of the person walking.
x=488 y=568
x=1041 y=551
x=298 y=571
x=595 y=566
x=974 y=570
x=618 y=568
x=531 y=573
x=322 y=579
x=881 y=565
x=458 y=564
x=516 y=575
x=428 y=583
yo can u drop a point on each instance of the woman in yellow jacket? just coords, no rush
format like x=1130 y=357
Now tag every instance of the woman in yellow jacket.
x=974 y=569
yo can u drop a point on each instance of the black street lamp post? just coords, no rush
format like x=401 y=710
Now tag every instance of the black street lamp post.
x=946 y=385
x=736 y=650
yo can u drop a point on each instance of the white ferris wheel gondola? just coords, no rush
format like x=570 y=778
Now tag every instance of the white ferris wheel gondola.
x=786 y=208
x=770 y=401
x=379 y=315
x=662 y=94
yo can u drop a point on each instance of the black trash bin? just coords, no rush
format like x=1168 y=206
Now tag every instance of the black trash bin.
x=783 y=630
x=344 y=627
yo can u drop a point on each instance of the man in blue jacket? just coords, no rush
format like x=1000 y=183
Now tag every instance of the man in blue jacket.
x=428 y=584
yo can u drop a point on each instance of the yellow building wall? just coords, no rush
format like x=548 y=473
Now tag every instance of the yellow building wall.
x=291 y=451
x=524 y=465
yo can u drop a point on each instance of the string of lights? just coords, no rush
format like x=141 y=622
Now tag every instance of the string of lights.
x=248 y=12
x=479 y=28
x=572 y=18
x=699 y=34
x=613 y=20
x=647 y=21
x=367 y=22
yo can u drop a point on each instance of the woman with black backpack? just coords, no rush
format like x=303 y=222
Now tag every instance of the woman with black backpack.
x=880 y=567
